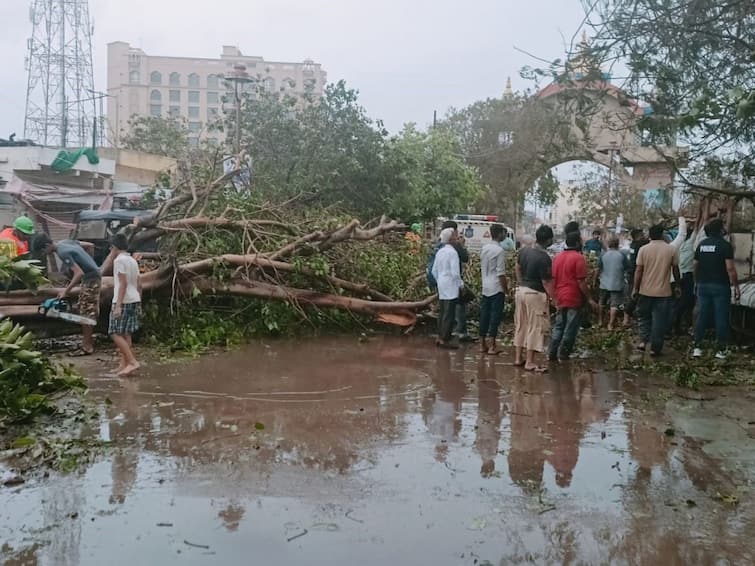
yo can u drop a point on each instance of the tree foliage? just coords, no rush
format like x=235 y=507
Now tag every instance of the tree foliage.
x=427 y=176
x=157 y=135
x=602 y=198
x=513 y=142
x=327 y=152
x=331 y=151
x=694 y=61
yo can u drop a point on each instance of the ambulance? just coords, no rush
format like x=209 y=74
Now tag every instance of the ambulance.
x=475 y=228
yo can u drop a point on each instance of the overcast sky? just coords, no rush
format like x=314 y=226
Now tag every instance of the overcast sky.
x=406 y=57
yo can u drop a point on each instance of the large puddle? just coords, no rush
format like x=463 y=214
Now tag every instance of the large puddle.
x=331 y=451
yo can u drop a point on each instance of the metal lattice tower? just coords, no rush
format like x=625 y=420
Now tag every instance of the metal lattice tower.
x=60 y=98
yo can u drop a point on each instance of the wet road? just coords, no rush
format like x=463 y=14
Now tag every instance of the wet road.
x=329 y=451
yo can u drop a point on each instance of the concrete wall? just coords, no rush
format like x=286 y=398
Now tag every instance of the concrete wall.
x=136 y=166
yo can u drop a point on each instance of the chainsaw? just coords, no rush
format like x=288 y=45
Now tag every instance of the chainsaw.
x=60 y=308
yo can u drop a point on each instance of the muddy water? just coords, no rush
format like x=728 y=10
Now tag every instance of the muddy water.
x=389 y=452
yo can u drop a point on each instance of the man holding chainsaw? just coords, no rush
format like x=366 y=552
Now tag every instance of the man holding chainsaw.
x=81 y=268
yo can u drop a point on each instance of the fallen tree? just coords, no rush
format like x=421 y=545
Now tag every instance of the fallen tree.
x=216 y=241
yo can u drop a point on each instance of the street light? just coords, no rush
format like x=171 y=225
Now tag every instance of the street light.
x=238 y=77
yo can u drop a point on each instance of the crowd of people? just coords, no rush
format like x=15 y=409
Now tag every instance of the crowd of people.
x=82 y=272
x=662 y=284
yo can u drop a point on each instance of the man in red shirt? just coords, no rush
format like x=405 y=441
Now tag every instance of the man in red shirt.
x=570 y=281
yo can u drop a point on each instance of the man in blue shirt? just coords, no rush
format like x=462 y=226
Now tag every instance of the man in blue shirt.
x=79 y=267
x=594 y=245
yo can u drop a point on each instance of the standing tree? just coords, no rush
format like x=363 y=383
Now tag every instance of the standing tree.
x=602 y=198
x=694 y=61
x=154 y=134
x=513 y=141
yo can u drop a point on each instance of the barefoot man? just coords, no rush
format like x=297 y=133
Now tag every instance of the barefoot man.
x=124 y=315
x=531 y=312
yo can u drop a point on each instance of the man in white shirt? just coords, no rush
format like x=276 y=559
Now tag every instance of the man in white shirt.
x=494 y=289
x=126 y=309
x=447 y=273
x=685 y=304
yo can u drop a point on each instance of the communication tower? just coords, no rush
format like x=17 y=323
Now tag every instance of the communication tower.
x=60 y=96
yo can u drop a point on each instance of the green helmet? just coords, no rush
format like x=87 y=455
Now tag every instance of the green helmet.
x=24 y=224
x=416 y=227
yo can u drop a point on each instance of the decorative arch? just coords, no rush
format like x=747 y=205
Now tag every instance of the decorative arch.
x=175 y=79
x=213 y=81
x=604 y=123
x=155 y=78
x=194 y=80
x=155 y=96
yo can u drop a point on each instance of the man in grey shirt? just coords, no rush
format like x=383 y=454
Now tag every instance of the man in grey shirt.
x=80 y=267
x=612 y=266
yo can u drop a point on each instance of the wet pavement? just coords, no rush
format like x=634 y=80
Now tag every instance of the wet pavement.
x=331 y=451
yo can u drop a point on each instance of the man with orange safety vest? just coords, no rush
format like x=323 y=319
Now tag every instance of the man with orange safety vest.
x=20 y=234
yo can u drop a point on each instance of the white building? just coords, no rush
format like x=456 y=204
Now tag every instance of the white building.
x=192 y=88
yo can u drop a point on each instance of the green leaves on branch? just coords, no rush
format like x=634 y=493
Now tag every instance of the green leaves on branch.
x=160 y=136
x=27 y=272
x=27 y=377
x=693 y=62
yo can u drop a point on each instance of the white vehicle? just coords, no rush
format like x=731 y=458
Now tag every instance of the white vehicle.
x=475 y=228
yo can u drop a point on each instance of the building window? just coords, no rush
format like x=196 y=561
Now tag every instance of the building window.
x=174 y=111
x=193 y=111
x=133 y=77
x=155 y=110
x=269 y=84
x=155 y=78
x=174 y=96
x=288 y=84
x=213 y=98
x=213 y=81
x=155 y=96
x=194 y=80
x=175 y=79
x=195 y=126
x=193 y=97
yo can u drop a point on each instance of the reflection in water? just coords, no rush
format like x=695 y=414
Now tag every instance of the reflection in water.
x=488 y=428
x=564 y=428
x=526 y=453
x=126 y=454
x=442 y=406
x=390 y=441
x=231 y=515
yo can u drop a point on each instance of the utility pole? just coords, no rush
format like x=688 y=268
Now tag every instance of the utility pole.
x=59 y=66
x=237 y=77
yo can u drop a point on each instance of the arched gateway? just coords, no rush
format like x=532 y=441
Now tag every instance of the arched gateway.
x=604 y=128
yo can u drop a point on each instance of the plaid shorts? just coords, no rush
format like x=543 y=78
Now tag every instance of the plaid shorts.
x=128 y=322
x=89 y=299
x=614 y=299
